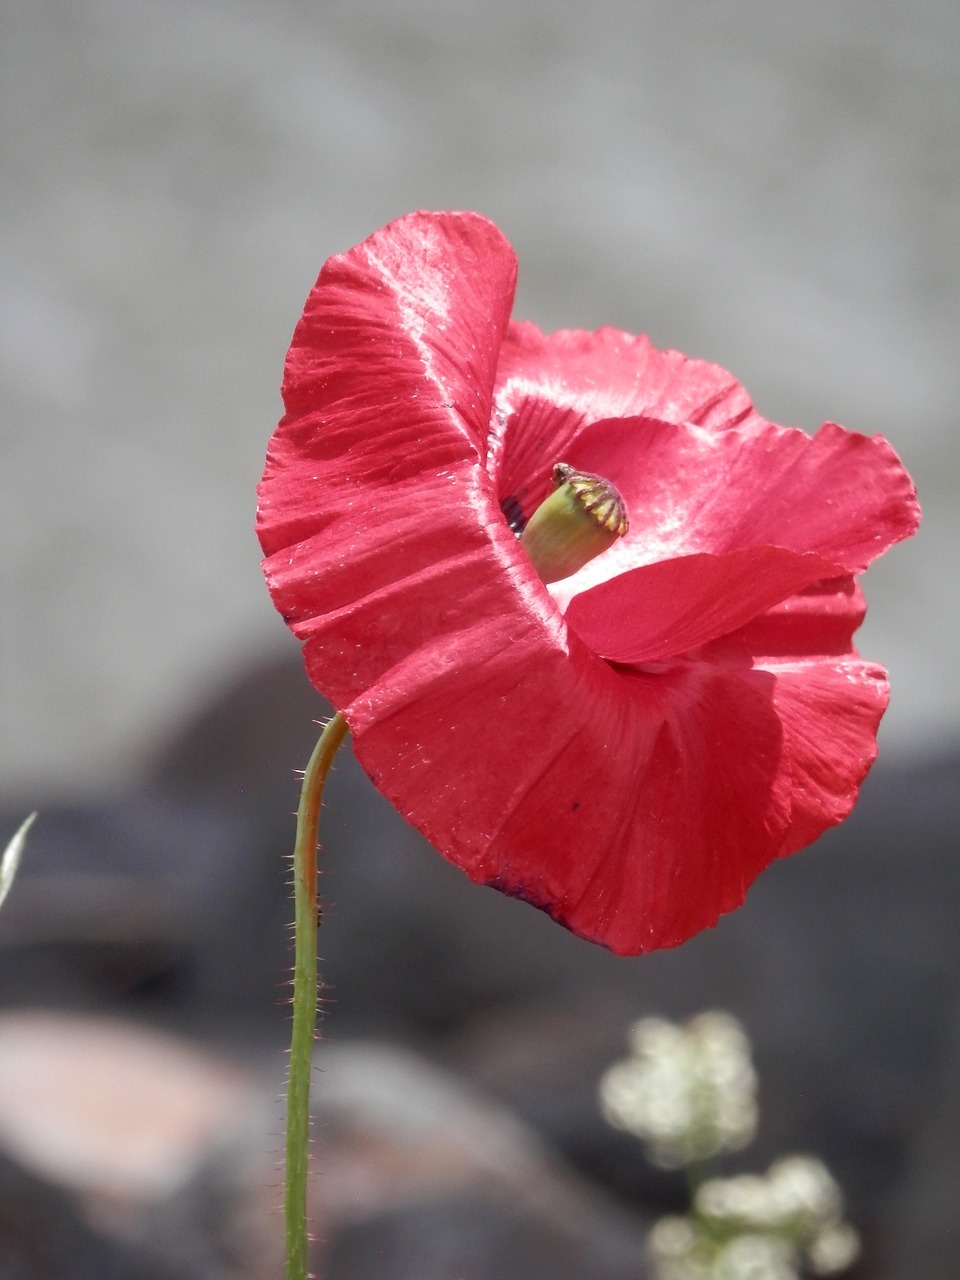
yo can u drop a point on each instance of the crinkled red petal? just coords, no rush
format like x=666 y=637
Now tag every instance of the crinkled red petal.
x=840 y=495
x=633 y=807
x=829 y=713
x=665 y=609
x=387 y=388
x=817 y=622
x=550 y=386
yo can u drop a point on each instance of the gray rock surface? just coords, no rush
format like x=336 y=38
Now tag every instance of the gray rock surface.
x=166 y=1160
x=433 y=1180
x=43 y=1236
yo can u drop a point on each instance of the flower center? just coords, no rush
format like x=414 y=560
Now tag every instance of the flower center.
x=583 y=516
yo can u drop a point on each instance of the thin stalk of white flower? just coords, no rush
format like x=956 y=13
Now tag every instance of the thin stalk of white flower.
x=304 y=999
x=10 y=860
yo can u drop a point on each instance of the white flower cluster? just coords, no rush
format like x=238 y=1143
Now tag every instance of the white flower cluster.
x=797 y=1196
x=688 y=1092
x=682 y=1251
x=759 y=1228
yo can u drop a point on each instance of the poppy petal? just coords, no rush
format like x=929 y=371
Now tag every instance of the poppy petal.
x=633 y=807
x=665 y=609
x=829 y=713
x=612 y=374
x=844 y=496
x=389 y=378
x=694 y=823
x=551 y=385
x=819 y=621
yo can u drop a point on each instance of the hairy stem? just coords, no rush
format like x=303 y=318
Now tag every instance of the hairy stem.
x=304 y=998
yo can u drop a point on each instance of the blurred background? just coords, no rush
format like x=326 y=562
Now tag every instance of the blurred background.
x=774 y=188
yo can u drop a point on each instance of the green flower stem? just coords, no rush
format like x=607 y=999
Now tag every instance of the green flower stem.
x=304 y=997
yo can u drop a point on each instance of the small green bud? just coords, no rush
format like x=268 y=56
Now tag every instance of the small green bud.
x=581 y=518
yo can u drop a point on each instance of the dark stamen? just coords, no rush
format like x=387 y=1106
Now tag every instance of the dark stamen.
x=513 y=514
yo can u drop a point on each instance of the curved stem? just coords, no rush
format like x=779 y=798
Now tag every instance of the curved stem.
x=304 y=997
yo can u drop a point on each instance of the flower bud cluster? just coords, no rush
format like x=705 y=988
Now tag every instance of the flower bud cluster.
x=797 y=1197
x=681 y=1250
x=797 y=1201
x=687 y=1092
x=767 y=1228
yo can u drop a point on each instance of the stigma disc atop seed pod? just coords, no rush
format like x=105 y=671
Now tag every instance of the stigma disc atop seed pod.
x=583 y=516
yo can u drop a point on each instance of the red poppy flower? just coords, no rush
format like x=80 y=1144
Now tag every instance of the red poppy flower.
x=629 y=747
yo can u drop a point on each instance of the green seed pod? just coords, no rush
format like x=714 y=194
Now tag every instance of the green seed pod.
x=583 y=516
